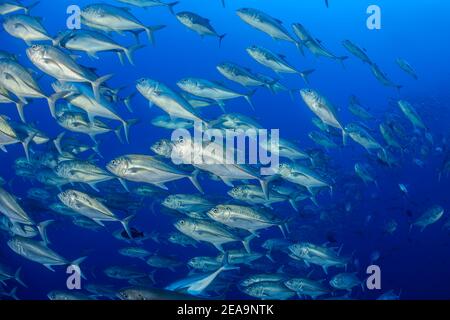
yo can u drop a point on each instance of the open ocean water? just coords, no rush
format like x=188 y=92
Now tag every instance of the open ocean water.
x=360 y=223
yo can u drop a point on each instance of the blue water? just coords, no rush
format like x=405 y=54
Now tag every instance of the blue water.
x=415 y=263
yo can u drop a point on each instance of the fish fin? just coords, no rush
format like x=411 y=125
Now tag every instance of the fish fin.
x=42 y=227
x=26 y=145
x=18 y=278
x=49 y=267
x=299 y=46
x=127 y=102
x=125 y=223
x=93 y=186
x=305 y=74
x=150 y=30
x=126 y=127
x=265 y=184
x=57 y=142
x=76 y=263
x=13 y=294
x=171 y=5
x=124 y=184
x=55 y=97
x=20 y=105
x=248 y=97
x=269 y=256
x=246 y=242
x=97 y=83
x=3 y=148
x=221 y=38
x=194 y=180
x=129 y=52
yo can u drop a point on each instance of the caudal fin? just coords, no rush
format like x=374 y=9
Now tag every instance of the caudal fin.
x=125 y=223
x=18 y=278
x=20 y=105
x=31 y=6
x=130 y=51
x=76 y=263
x=97 y=84
x=193 y=177
x=249 y=96
x=151 y=30
x=171 y=5
x=126 y=128
x=52 y=101
x=42 y=227
x=57 y=142
x=127 y=102
x=305 y=74
x=221 y=38
x=246 y=242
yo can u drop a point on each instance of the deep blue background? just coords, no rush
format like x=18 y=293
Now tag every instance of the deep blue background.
x=417 y=263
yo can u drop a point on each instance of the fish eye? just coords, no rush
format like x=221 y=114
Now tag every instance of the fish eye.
x=182 y=222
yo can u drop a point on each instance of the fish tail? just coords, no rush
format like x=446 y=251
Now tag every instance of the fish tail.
x=18 y=278
x=13 y=294
x=125 y=223
x=171 y=5
x=26 y=145
x=20 y=105
x=299 y=46
x=52 y=101
x=293 y=203
x=42 y=227
x=76 y=263
x=31 y=6
x=151 y=29
x=126 y=127
x=127 y=102
x=117 y=132
x=120 y=55
x=342 y=59
x=221 y=38
x=57 y=141
x=305 y=74
x=129 y=52
x=194 y=180
x=246 y=242
x=265 y=185
x=97 y=83
x=248 y=97
x=226 y=265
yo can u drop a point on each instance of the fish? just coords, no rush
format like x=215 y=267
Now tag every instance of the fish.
x=18 y=80
x=383 y=78
x=91 y=208
x=166 y=122
x=59 y=65
x=93 y=42
x=38 y=252
x=389 y=295
x=187 y=202
x=9 y=136
x=303 y=176
x=268 y=290
x=199 y=24
x=264 y=277
x=147 y=169
x=109 y=18
x=59 y=295
x=357 y=51
x=243 y=76
x=365 y=172
x=83 y=97
x=149 y=293
x=319 y=255
x=196 y=285
x=276 y=62
x=27 y=28
x=345 y=281
x=212 y=90
x=210 y=232
x=322 y=139
x=151 y=4
x=358 y=110
x=429 y=217
x=323 y=109
x=361 y=136
x=11 y=6
x=405 y=66
x=267 y=24
x=411 y=114
x=307 y=287
x=123 y=273
x=160 y=261
x=82 y=172
x=168 y=100
x=315 y=46
x=246 y=218
x=7 y=274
